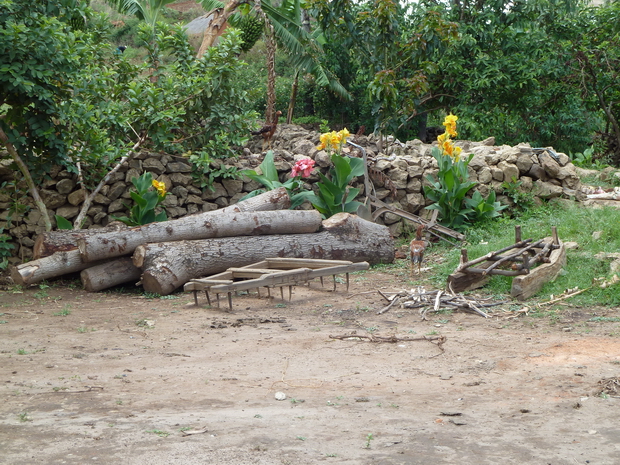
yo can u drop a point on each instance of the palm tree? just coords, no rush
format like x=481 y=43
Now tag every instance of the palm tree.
x=284 y=23
x=146 y=10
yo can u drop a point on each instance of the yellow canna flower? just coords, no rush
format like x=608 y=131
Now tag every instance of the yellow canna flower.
x=448 y=148
x=450 y=124
x=160 y=186
x=335 y=139
x=457 y=153
x=325 y=140
x=442 y=137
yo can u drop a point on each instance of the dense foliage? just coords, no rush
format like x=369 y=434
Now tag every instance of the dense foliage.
x=69 y=99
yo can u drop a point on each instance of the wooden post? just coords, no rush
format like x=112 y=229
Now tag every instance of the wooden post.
x=517 y=233
x=464 y=257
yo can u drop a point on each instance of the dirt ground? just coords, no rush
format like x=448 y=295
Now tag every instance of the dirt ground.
x=127 y=378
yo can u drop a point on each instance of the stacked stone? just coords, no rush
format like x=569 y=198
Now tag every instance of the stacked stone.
x=399 y=175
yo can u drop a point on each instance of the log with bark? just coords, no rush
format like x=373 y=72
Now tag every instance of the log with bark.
x=168 y=265
x=55 y=265
x=221 y=224
x=64 y=240
x=70 y=261
x=108 y=274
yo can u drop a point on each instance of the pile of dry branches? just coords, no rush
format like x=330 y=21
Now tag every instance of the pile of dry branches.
x=435 y=301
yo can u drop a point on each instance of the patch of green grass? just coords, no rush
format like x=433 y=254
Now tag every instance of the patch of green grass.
x=23 y=416
x=605 y=319
x=22 y=352
x=160 y=433
x=64 y=312
x=41 y=294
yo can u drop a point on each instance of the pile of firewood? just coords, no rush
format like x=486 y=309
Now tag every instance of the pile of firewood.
x=164 y=256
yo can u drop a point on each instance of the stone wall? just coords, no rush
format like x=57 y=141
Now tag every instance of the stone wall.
x=398 y=173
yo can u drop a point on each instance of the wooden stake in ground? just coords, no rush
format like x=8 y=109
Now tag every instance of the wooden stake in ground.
x=169 y=265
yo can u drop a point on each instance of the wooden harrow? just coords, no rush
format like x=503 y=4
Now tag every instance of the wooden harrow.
x=271 y=273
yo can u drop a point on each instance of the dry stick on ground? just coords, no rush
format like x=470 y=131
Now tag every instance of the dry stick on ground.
x=373 y=338
x=564 y=297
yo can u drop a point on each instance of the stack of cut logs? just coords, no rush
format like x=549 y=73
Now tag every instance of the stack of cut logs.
x=164 y=256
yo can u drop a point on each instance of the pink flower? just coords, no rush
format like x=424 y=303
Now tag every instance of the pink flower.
x=303 y=167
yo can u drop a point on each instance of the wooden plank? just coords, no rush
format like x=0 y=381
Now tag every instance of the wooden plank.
x=244 y=273
x=201 y=285
x=523 y=287
x=333 y=270
x=283 y=278
x=461 y=282
x=292 y=263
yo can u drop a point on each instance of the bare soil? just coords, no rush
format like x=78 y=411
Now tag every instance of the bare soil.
x=123 y=378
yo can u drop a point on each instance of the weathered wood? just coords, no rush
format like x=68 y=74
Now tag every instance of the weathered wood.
x=49 y=267
x=108 y=274
x=523 y=287
x=461 y=282
x=486 y=257
x=51 y=242
x=62 y=240
x=71 y=261
x=169 y=265
x=217 y=223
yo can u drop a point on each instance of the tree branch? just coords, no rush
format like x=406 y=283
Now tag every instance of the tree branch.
x=34 y=191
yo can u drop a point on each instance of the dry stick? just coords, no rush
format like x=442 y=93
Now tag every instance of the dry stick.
x=89 y=198
x=196 y=431
x=510 y=257
x=394 y=301
x=564 y=297
x=393 y=339
x=491 y=254
x=540 y=255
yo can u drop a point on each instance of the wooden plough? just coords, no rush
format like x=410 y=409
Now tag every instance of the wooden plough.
x=516 y=260
x=270 y=273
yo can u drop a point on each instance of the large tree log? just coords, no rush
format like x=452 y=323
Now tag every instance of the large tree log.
x=62 y=240
x=169 y=265
x=218 y=223
x=49 y=267
x=71 y=261
x=108 y=274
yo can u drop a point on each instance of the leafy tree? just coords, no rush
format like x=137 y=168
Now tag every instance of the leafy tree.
x=78 y=105
x=282 y=24
x=595 y=44
x=41 y=55
x=507 y=76
x=390 y=51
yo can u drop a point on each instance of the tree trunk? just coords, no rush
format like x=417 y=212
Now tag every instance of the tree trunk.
x=62 y=240
x=236 y=220
x=34 y=191
x=293 y=98
x=103 y=276
x=168 y=265
x=206 y=225
x=217 y=25
x=49 y=267
x=88 y=199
